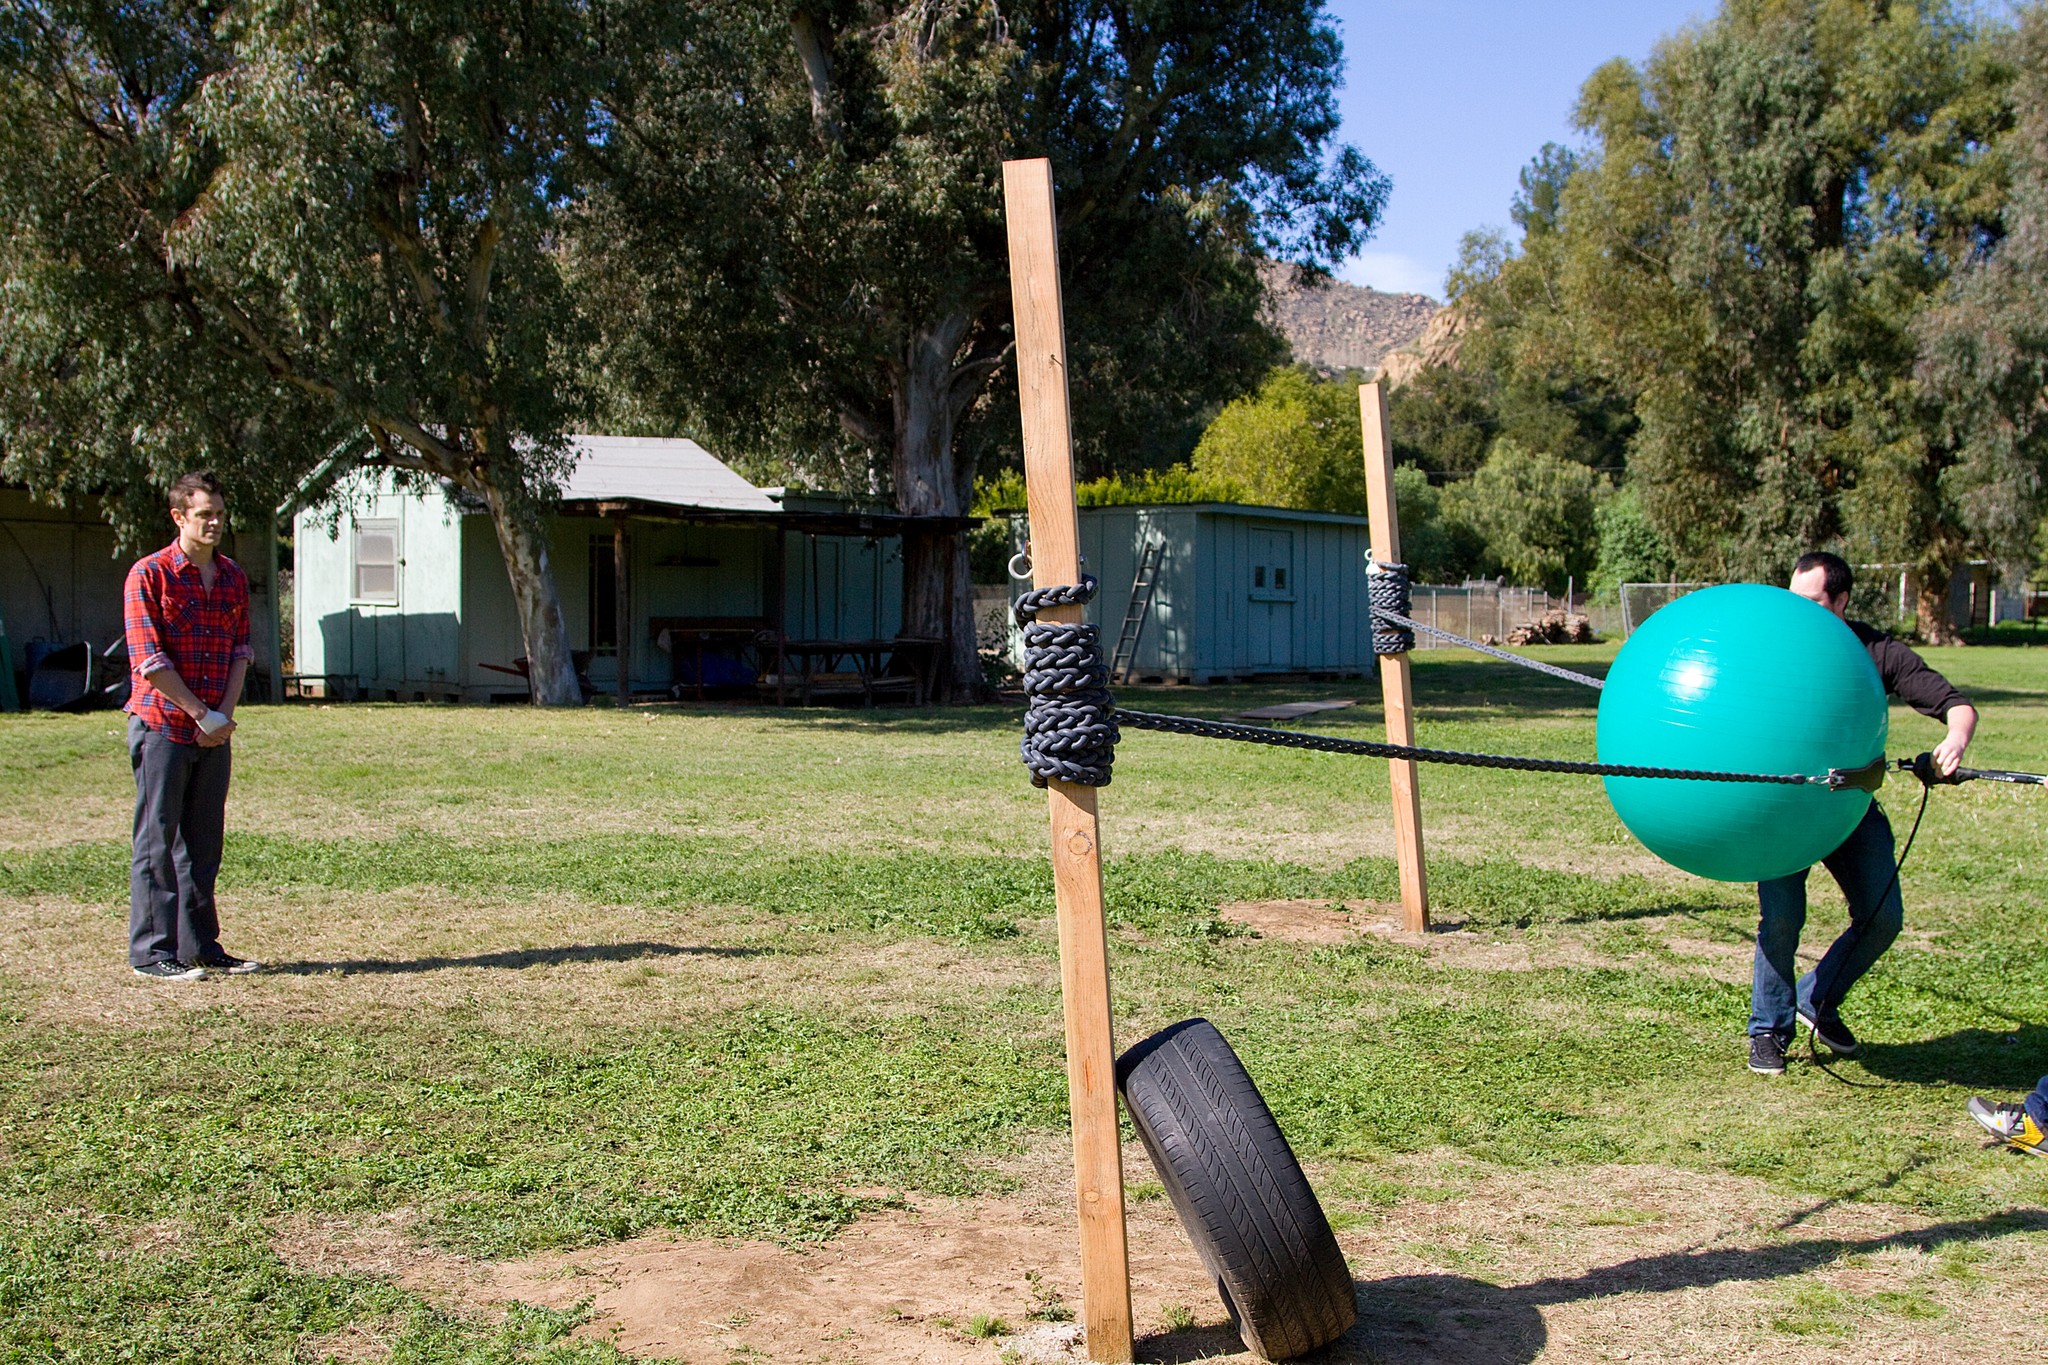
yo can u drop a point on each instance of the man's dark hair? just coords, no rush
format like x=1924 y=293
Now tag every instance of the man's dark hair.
x=198 y=481
x=1839 y=579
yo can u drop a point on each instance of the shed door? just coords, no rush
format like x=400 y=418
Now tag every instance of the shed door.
x=1272 y=600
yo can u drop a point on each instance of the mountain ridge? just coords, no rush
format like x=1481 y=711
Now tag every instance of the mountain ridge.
x=1338 y=326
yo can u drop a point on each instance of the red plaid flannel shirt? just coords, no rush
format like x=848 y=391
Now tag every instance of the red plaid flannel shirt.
x=174 y=622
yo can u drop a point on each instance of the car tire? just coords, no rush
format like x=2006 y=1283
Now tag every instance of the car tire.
x=1239 y=1191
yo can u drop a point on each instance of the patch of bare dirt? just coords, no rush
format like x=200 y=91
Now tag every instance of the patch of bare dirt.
x=1474 y=1264
x=898 y=1286
x=1296 y=921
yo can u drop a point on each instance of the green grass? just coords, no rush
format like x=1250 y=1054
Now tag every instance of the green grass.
x=145 y=1169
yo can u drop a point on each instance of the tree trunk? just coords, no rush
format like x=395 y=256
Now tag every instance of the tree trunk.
x=932 y=481
x=255 y=549
x=1931 y=616
x=938 y=602
x=523 y=542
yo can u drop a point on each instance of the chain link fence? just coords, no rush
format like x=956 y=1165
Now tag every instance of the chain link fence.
x=1481 y=610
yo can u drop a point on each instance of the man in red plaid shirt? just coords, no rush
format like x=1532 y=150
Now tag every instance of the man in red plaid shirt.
x=187 y=615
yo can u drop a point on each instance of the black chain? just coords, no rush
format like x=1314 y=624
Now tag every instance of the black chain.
x=1290 y=739
x=1070 y=730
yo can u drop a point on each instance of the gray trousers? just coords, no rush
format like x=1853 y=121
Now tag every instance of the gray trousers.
x=181 y=800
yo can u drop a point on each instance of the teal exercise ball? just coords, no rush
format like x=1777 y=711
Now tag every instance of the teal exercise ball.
x=1741 y=678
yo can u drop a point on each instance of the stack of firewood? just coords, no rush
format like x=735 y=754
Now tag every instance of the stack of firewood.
x=1556 y=627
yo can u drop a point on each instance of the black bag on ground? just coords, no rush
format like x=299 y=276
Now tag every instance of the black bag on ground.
x=1238 y=1190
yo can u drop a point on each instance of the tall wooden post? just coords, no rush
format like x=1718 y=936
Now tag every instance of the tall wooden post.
x=1395 y=684
x=1076 y=841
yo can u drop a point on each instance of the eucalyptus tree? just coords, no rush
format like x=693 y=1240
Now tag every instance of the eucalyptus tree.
x=1764 y=212
x=1983 y=352
x=845 y=291
x=243 y=231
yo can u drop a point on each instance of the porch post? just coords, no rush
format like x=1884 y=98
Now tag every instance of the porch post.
x=622 y=603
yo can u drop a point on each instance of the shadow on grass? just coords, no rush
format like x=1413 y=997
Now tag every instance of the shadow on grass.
x=513 y=959
x=1998 y=1060
x=1455 y=1318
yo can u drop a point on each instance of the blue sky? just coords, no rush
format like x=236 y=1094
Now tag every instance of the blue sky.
x=1452 y=97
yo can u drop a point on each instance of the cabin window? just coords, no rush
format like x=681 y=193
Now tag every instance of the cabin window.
x=375 y=561
x=1272 y=559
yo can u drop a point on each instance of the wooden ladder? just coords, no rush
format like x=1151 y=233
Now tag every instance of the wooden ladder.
x=1125 y=657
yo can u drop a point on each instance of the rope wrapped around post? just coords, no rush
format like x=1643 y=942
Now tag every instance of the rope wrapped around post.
x=1070 y=729
x=1386 y=587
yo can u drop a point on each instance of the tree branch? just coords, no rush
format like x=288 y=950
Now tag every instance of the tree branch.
x=810 y=50
x=479 y=292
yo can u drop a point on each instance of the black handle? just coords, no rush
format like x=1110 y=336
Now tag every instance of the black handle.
x=1922 y=767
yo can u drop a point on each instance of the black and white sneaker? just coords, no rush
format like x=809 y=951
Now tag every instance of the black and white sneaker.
x=229 y=963
x=1829 y=1029
x=172 y=970
x=1766 y=1054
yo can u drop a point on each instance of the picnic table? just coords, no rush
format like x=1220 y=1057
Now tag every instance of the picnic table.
x=903 y=664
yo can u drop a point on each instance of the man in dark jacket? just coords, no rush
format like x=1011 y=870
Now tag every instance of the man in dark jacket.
x=1863 y=866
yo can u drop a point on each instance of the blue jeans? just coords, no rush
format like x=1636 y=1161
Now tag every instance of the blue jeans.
x=1864 y=868
x=2037 y=1104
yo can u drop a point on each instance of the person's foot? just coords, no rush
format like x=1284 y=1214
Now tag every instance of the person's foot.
x=172 y=970
x=229 y=963
x=1826 y=1023
x=1766 y=1054
x=2010 y=1124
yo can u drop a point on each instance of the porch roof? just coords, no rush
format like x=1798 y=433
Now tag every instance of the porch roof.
x=675 y=479
x=661 y=471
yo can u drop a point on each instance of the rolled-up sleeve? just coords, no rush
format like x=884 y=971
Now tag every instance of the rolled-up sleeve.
x=139 y=621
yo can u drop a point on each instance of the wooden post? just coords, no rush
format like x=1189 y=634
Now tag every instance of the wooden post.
x=622 y=614
x=1076 y=840
x=1395 y=684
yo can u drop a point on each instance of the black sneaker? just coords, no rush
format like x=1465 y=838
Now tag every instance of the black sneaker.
x=1766 y=1054
x=229 y=963
x=172 y=970
x=1828 y=1027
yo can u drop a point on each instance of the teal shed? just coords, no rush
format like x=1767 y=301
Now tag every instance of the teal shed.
x=1239 y=592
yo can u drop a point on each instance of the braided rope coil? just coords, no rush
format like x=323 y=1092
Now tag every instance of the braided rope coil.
x=1386 y=588
x=1070 y=729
